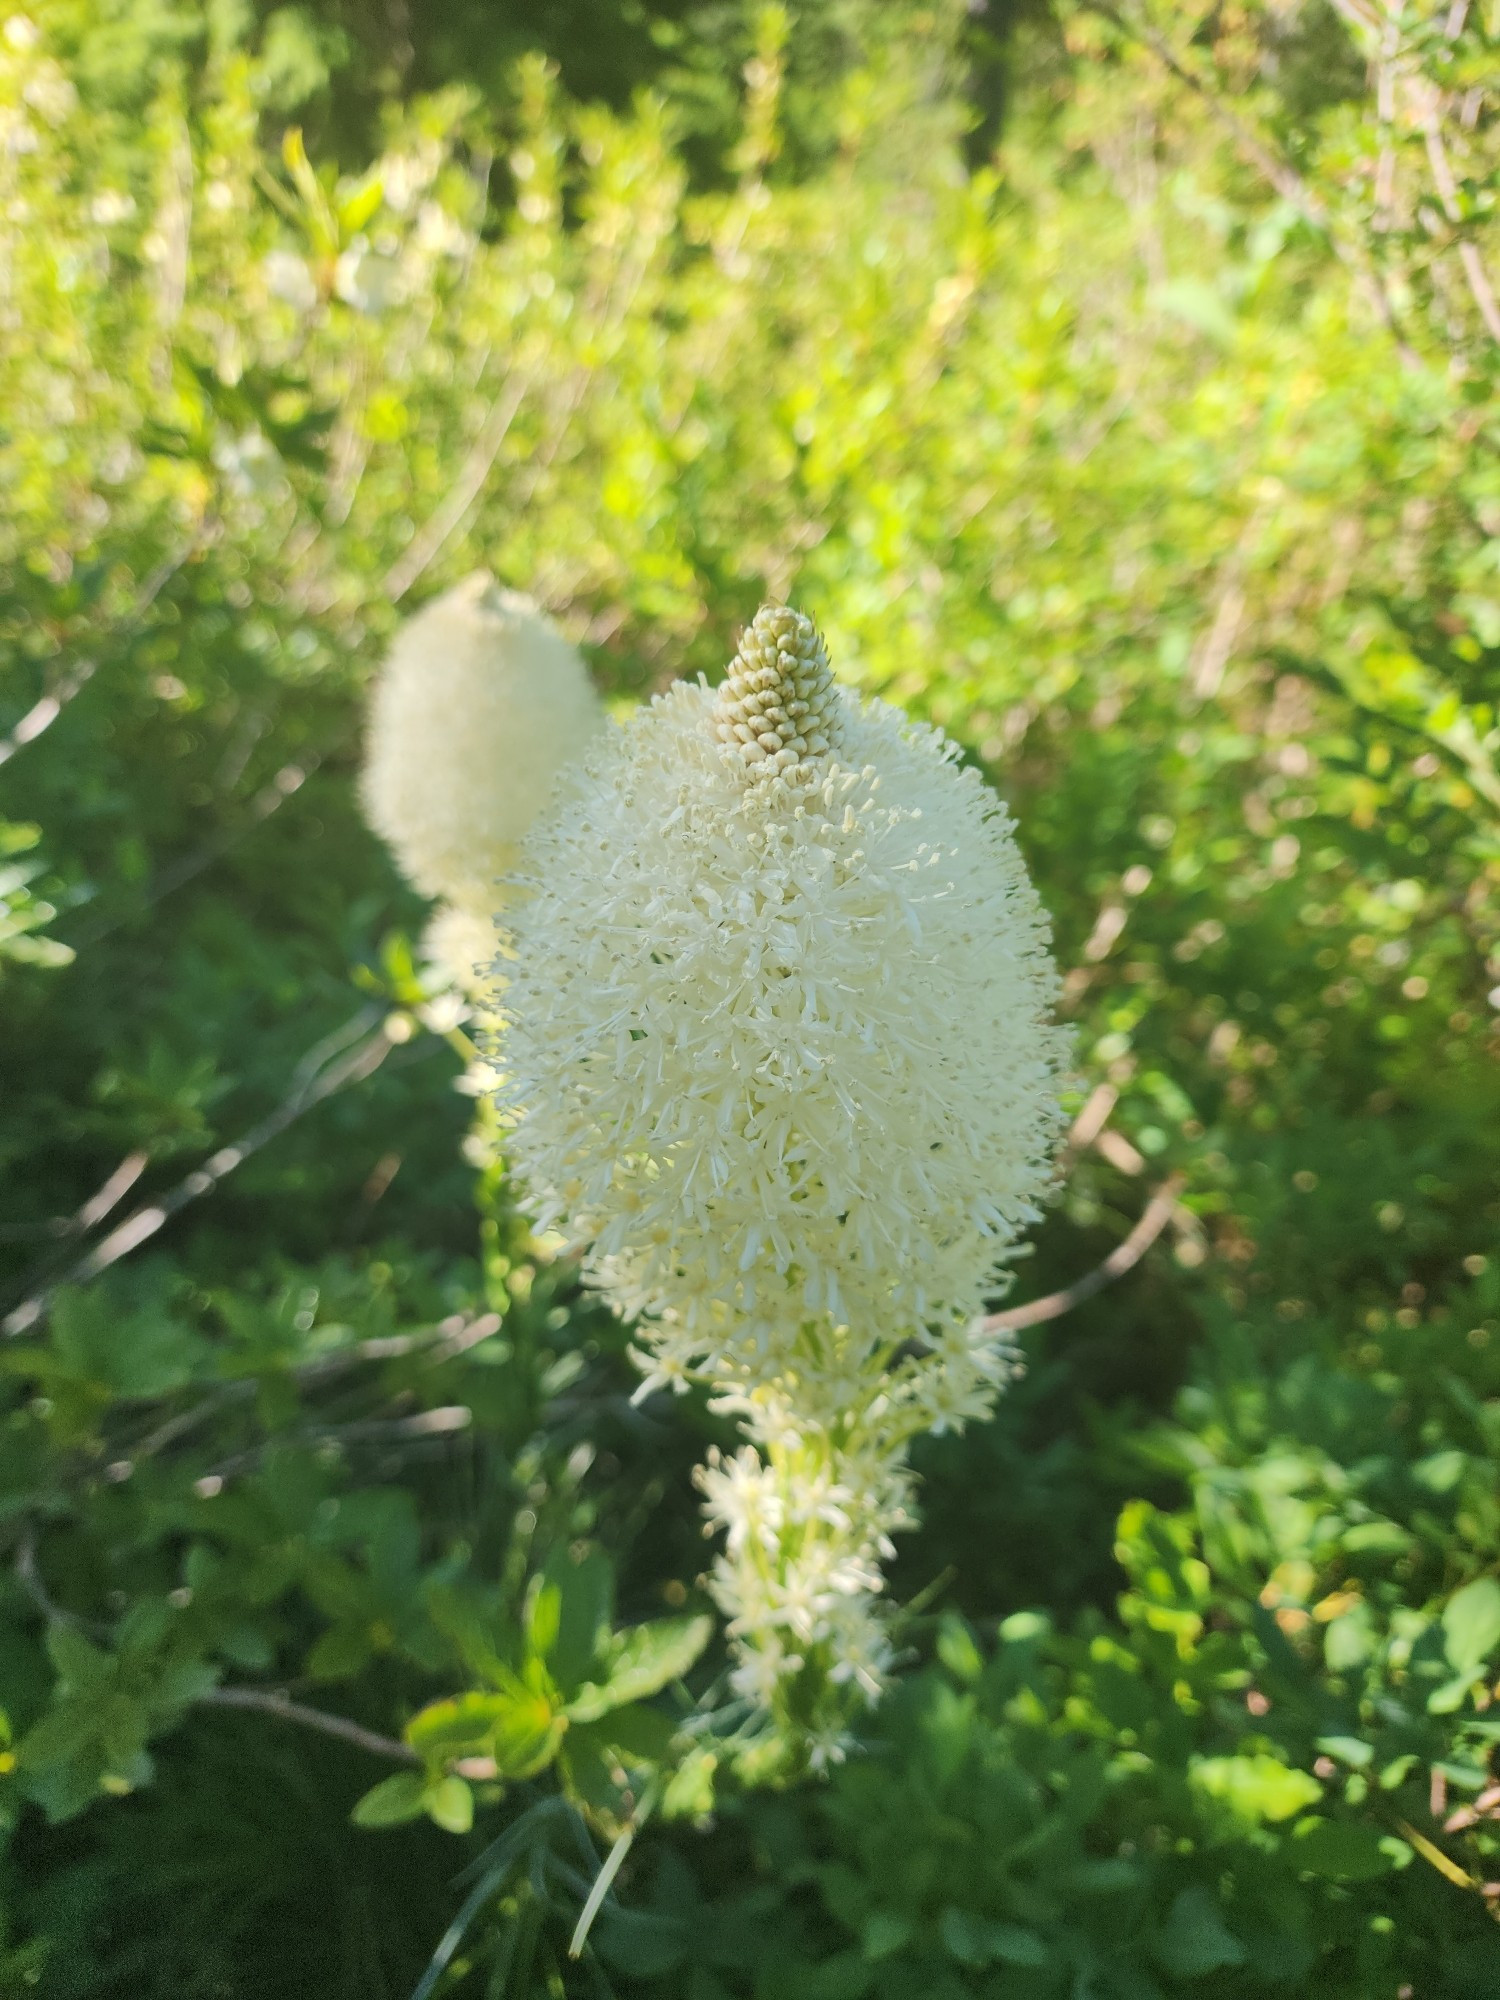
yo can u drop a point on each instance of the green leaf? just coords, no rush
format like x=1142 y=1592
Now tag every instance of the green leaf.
x=1340 y=1850
x=1471 y=1625
x=1106 y=1877
x=1451 y=1696
x=462 y=1722
x=543 y=1616
x=450 y=1804
x=340 y=1653
x=646 y=1659
x=393 y=1801
x=1257 y=1788
x=885 y=1932
x=593 y=1773
x=1350 y=1750
x=603 y=1760
x=465 y=1619
x=528 y=1731
x=980 y=1941
x=81 y=1667
x=585 y=1601
x=636 y=1734
x=1376 y=1538
x=518 y=1727
x=641 y=1943
x=689 y=1792
x=134 y=1349
x=178 y=1687
x=958 y=1649
x=1195 y=1940
x=357 y=207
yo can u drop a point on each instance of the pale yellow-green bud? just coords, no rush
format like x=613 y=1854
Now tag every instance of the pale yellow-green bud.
x=778 y=710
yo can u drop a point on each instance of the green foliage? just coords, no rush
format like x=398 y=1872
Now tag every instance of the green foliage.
x=544 y=1707
x=1154 y=458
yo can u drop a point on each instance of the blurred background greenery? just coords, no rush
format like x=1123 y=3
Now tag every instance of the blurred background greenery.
x=1115 y=384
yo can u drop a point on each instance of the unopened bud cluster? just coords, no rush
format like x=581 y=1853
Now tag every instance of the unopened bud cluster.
x=778 y=708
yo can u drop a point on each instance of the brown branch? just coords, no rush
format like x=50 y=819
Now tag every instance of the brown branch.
x=450 y=1337
x=110 y=1195
x=89 y=1216
x=42 y=714
x=188 y=1420
x=443 y=1422
x=1120 y=1260
x=261 y=1702
x=45 y=712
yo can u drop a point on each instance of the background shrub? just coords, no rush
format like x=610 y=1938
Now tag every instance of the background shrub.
x=1151 y=453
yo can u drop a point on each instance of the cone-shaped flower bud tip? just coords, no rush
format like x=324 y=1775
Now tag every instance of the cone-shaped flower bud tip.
x=479 y=706
x=777 y=711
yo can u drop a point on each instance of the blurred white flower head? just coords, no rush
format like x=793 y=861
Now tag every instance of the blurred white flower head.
x=405 y=176
x=459 y=946
x=249 y=463
x=480 y=704
x=439 y=234
x=288 y=278
x=51 y=92
x=366 y=278
x=110 y=206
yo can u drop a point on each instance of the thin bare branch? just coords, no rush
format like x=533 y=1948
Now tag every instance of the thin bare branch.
x=1093 y=1118
x=1120 y=1260
x=187 y=1421
x=45 y=712
x=444 y=1422
x=287 y=782
x=42 y=714
x=428 y=542
x=30 y=1579
x=264 y=1702
x=308 y=1090
x=110 y=1195
x=89 y=1216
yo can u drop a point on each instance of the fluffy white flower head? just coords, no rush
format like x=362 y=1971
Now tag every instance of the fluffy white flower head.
x=480 y=704
x=779 y=1033
x=459 y=945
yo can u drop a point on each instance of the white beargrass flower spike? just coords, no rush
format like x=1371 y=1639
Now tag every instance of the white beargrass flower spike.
x=781 y=1056
x=479 y=705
